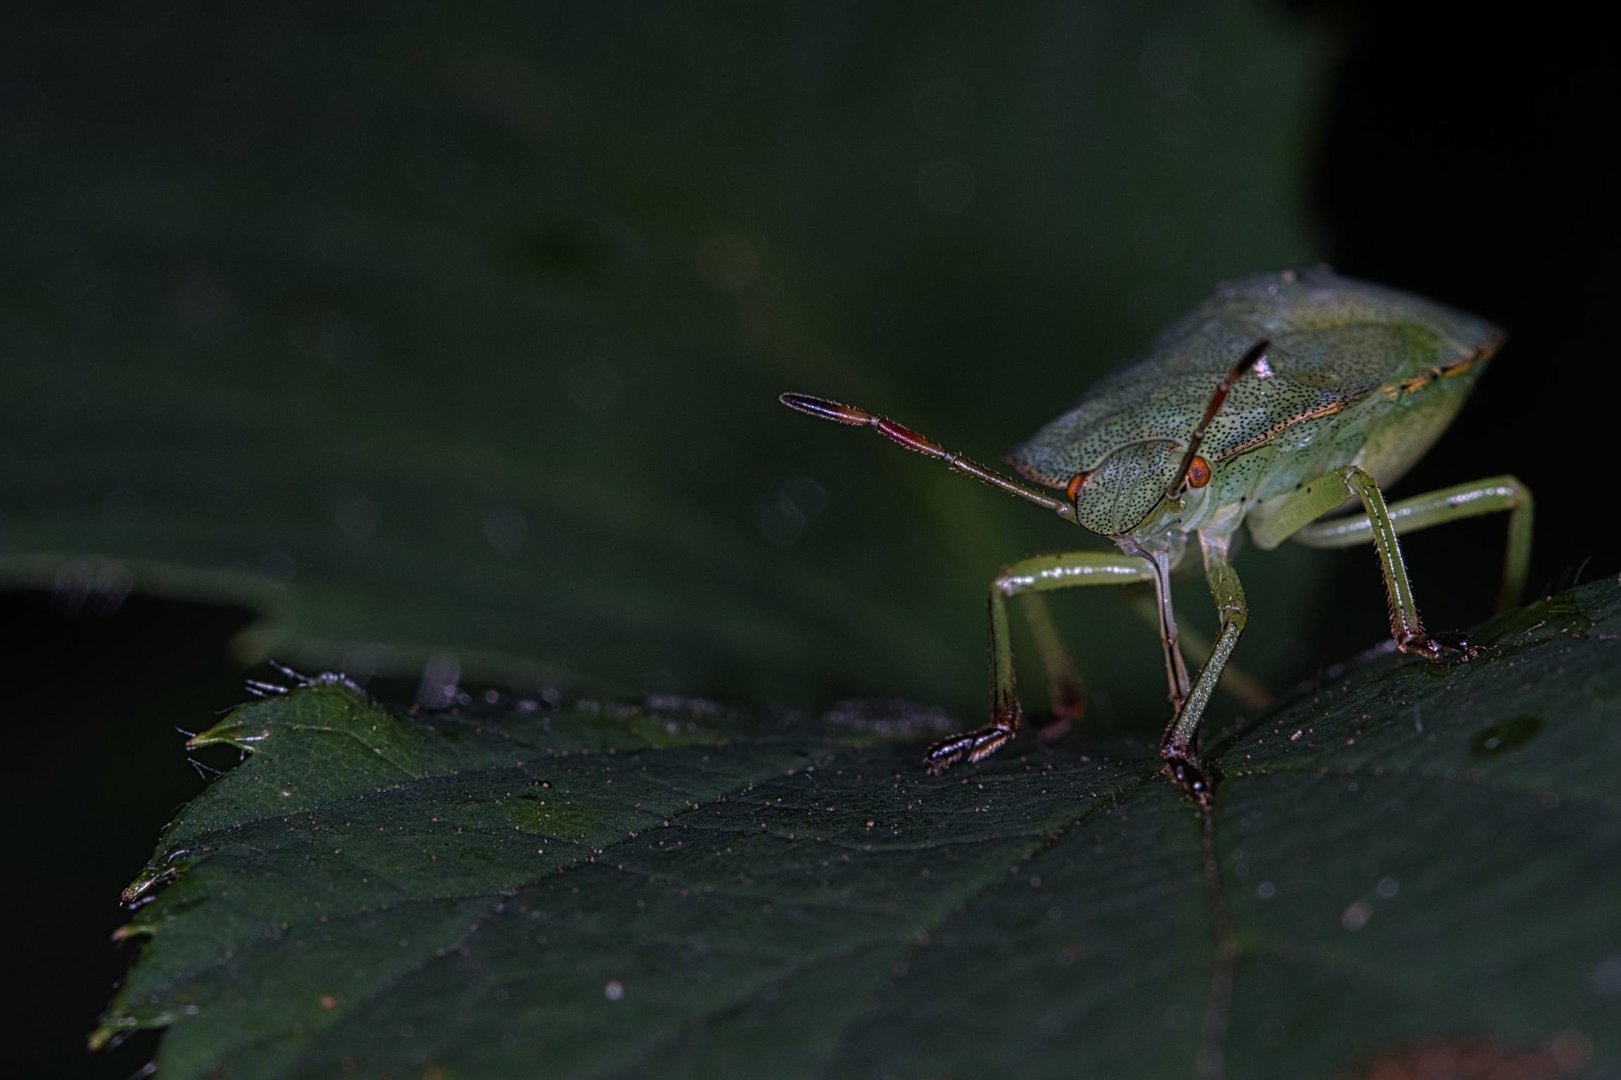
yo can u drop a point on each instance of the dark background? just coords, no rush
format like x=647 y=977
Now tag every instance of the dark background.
x=1460 y=160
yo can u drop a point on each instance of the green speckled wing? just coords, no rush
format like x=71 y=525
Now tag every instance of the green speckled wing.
x=1334 y=340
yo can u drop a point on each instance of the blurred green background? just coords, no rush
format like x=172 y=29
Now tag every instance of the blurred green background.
x=446 y=345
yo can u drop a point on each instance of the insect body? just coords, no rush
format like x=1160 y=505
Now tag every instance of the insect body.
x=1274 y=402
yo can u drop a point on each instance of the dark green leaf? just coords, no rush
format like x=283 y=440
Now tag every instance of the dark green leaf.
x=1413 y=864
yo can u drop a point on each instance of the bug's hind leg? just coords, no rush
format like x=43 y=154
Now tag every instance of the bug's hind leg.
x=1040 y=574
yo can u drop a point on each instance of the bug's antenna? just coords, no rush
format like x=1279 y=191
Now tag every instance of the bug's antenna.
x=840 y=413
x=1252 y=356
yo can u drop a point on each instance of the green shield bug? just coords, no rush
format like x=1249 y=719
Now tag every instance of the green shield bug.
x=1275 y=402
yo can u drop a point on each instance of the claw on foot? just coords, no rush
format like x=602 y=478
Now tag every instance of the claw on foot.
x=1189 y=773
x=1441 y=647
x=972 y=746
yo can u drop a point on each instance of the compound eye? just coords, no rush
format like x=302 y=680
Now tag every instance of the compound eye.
x=1198 y=472
x=1076 y=482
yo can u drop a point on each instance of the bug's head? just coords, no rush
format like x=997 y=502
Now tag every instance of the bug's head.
x=1112 y=458
x=1120 y=493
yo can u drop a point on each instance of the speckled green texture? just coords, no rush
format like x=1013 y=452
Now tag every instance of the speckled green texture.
x=1325 y=395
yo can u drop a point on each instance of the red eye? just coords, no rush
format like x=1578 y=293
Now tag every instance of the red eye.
x=1198 y=472
x=1076 y=482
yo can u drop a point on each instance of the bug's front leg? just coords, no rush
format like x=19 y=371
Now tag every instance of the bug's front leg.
x=1042 y=573
x=1177 y=748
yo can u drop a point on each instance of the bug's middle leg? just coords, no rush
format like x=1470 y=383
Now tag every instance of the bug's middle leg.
x=1042 y=573
x=1065 y=691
